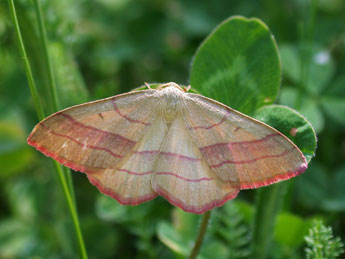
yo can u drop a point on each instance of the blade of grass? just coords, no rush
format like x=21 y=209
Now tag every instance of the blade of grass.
x=40 y=114
x=53 y=98
x=72 y=208
x=43 y=36
x=27 y=67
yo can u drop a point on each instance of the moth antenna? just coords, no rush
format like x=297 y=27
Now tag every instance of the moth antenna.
x=147 y=85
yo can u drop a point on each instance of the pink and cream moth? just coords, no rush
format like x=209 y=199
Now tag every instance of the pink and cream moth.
x=194 y=151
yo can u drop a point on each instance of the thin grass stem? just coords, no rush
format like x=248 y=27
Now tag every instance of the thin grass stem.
x=27 y=67
x=44 y=43
x=40 y=114
x=53 y=97
x=72 y=209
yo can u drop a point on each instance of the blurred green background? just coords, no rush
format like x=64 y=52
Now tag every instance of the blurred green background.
x=105 y=47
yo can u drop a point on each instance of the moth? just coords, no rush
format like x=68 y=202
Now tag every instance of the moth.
x=194 y=151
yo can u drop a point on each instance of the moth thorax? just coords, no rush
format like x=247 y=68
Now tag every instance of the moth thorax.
x=170 y=108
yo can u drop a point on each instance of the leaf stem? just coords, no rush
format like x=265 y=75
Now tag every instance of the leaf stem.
x=268 y=203
x=40 y=115
x=27 y=67
x=54 y=100
x=201 y=234
x=44 y=43
x=72 y=209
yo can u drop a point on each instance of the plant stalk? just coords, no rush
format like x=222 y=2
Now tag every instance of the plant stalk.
x=54 y=100
x=44 y=43
x=268 y=204
x=27 y=67
x=40 y=114
x=201 y=235
x=72 y=209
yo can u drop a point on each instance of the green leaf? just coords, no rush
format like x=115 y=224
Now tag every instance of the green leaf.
x=246 y=209
x=110 y=210
x=313 y=114
x=321 y=70
x=17 y=239
x=321 y=244
x=23 y=199
x=238 y=64
x=70 y=86
x=15 y=154
x=180 y=237
x=100 y=247
x=309 y=107
x=312 y=187
x=228 y=224
x=291 y=124
x=186 y=224
x=215 y=249
x=321 y=66
x=335 y=108
x=290 y=229
x=314 y=192
x=333 y=101
x=337 y=88
x=290 y=62
x=172 y=239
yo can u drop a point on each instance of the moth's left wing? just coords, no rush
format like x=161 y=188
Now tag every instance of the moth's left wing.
x=98 y=138
x=236 y=146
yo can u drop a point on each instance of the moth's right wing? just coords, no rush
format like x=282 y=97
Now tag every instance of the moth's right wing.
x=239 y=148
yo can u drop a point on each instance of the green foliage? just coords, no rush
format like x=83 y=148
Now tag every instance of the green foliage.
x=321 y=244
x=268 y=204
x=15 y=155
x=244 y=72
x=227 y=236
x=234 y=68
x=229 y=225
x=291 y=124
x=314 y=192
x=322 y=95
x=102 y=48
x=70 y=86
x=140 y=225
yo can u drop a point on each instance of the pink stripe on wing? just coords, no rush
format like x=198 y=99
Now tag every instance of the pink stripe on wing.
x=70 y=118
x=212 y=125
x=241 y=142
x=81 y=144
x=183 y=178
x=168 y=154
x=126 y=117
x=134 y=173
x=251 y=160
x=166 y=173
